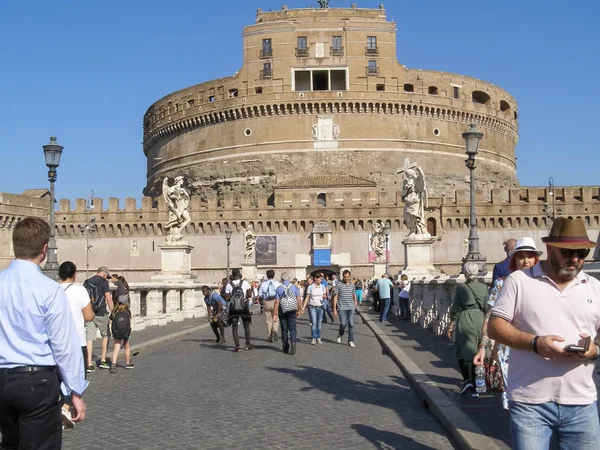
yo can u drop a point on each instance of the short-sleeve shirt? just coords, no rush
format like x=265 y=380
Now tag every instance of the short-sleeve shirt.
x=229 y=288
x=264 y=288
x=213 y=299
x=102 y=287
x=345 y=296
x=78 y=298
x=290 y=286
x=315 y=295
x=405 y=290
x=384 y=287
x=533 y=303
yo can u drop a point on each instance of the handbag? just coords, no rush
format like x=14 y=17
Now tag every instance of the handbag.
x=493 y=375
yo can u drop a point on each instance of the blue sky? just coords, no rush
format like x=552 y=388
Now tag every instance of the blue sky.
x=87 y=71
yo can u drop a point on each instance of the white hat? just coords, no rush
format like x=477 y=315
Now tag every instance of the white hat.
x=525 y=244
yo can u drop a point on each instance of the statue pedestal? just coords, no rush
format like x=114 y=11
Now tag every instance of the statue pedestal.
x=175 y=264
x=378 y=269
x=248 y=271
x=418 y=258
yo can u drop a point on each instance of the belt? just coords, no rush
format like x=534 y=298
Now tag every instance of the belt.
x=28 y=369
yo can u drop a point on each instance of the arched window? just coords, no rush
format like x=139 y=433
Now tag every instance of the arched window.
x=409 y=88
x=504 y=106
x=433 y=90
x=431 y=226
x=480 y=97
x=322 y=199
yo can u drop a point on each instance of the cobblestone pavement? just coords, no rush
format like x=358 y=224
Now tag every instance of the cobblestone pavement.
x=195 y=394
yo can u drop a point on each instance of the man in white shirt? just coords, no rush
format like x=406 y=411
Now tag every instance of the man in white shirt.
x=268 y=294
x=541 y=314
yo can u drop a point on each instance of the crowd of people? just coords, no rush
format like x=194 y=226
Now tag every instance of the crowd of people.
x=540 y=318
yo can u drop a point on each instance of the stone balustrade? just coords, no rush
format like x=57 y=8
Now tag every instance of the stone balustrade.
x=154 y=303
x=431 y=301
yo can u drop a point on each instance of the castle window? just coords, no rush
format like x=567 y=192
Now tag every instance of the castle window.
x=322 y=199
x=267 y=72
x=338 y=80
x=504 y=106
x=372 y=48
x=433 y=90
x=267 y=49
x=190 y=103
x=211 y=98
x=515 y=115
x=336 y=46
x=302 y=48
x=258 y=90
x=480 y=97
x=372 y=67
x=320 y=80
x=409 y=88
x=381 y=87
x=455 y=91
x=233 y=93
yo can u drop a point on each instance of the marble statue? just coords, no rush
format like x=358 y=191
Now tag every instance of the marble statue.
x=250 y=241
x=378 y=242
x=178 y=200
x=336 y=131
x=315 y=132
x=323 y=3
x=414 y=195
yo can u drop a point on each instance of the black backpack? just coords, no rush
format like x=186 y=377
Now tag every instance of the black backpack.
x=121 y=325
x=94 y=294
x=237 y=299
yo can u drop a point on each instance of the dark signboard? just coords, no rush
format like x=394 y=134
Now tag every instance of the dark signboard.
x=266 y=250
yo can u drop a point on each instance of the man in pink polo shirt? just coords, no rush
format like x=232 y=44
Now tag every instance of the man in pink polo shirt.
x=539 y=314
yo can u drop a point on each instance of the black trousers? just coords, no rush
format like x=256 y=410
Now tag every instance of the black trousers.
x=234 y=329
x=216 y=327
x=288 y=327
x=30 y=411
x=467 y=369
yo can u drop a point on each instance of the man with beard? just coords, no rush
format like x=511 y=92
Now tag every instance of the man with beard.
x=547 y=315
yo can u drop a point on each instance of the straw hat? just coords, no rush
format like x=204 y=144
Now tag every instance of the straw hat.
x=568 y=233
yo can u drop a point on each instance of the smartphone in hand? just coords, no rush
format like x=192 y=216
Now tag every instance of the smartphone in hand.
x=581 y=347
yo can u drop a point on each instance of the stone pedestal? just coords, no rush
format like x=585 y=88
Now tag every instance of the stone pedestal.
x=378 y=269
x=249 y=271
x=175 y=264
x=418 y=258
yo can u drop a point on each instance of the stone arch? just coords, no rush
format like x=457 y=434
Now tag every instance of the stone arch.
x=449 y=223
x=361 y=225
x=431 y=226
x=483 y=222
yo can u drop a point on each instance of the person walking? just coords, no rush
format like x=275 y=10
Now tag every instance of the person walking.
x=101 y=320
x=216 y=313
x=404 y=297
x=287 y=307
x=384 y=290
x=501 y=269
x=268 y=293
x=39 y=347
x=467 y=320
x=358 y=287
x=344 y=304
x=238 y=291
x=314 y=300
x=121 y=332
x=81 y=310
x=523 y=257
x=548 y=315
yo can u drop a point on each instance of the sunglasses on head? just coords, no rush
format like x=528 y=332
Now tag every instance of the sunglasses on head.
x=570 y=253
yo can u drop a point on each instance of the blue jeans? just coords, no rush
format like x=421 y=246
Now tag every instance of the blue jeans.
x=347 y=319
x=385 y=309
x=288 y=324
x=532 y=425
x=316 y=316
x=359 y=296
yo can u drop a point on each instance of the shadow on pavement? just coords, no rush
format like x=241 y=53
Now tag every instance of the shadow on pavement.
x=386 y=440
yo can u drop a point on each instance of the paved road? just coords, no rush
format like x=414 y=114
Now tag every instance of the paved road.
x=193 y=393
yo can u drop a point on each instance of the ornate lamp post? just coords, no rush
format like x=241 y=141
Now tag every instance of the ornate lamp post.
x=228 y=234
x=87 y=229
x=52 y=152
x=386 y=233
x=551 y=211
x=472 y=137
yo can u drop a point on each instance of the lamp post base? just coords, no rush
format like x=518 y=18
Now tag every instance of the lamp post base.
x=478 y=259
x=51 y=270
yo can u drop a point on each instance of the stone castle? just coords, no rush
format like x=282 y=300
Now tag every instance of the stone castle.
x=304 y=143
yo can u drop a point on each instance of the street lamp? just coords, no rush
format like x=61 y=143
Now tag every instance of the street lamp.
x=386 y=233
x=52 y=152
x=87 y=229
x=551 y=211
x=228 y=233
x=472 y=137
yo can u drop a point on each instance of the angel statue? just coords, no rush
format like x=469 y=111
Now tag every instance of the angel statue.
x=378 y=241
x=323 y=3
x=414 y=195
x=250 y=240
x=178 y=200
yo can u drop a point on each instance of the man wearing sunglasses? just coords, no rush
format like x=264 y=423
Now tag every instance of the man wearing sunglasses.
x=546 y=314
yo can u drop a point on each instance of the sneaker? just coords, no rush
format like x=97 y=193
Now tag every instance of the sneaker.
x=104 y=365
x=130 y=366
x=474 y=394
x=313 y=342
x=270 y=338
x=467 y=386
x=67 y=420
x=249 y=347
x=351 y=344
x=293 y=349
x=275 y=337
x=339 y=340
x=217 y=341
x=113 y=368
x=237 y=349
x=286 y=349
x=319 y=341
x=222 y=341
x=90 y=369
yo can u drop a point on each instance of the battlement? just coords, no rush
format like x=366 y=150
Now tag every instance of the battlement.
x=321 y=14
